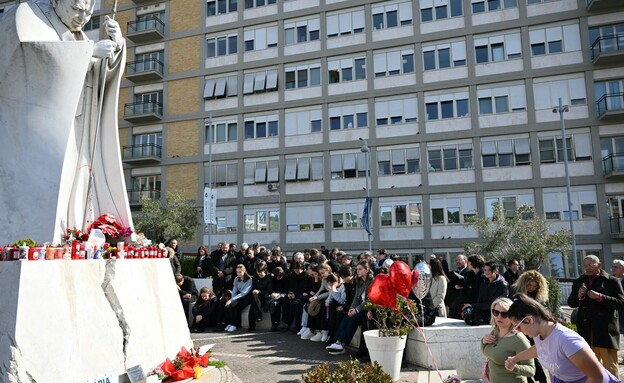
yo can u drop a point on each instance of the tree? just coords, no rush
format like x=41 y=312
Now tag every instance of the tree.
x=176 y=218
x=524 y=235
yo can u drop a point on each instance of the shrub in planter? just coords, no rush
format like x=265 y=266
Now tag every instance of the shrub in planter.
x=350 y=371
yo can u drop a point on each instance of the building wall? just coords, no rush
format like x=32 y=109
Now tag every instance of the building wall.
x=308 y=209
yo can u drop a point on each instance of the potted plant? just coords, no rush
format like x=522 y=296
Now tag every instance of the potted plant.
x=386 y=344
x=347 y=372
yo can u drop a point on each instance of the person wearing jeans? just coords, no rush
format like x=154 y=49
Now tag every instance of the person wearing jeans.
x=356 y=314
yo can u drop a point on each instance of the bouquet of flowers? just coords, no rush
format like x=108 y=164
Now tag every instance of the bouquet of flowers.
x=187 y=364
x=74 y=234
x=110 y=227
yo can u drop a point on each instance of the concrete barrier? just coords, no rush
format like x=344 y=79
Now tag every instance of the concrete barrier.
x=453 y=344
x=88 y=320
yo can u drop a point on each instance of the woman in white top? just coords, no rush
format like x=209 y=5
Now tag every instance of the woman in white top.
x=439 y=283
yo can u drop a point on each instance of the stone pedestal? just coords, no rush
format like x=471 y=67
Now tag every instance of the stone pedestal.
x=88 y=320
x=454 y=345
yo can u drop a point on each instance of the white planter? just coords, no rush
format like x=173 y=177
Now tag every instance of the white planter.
x=387 y=351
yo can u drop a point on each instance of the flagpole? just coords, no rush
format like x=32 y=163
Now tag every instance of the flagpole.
x=368 y=204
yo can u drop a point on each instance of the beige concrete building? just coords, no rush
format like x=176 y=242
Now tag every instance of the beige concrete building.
x=454 y=99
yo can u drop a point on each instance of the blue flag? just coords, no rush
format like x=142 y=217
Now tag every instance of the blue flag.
x=368 y=205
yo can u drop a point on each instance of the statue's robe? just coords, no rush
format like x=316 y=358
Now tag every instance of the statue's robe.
x=60 y=161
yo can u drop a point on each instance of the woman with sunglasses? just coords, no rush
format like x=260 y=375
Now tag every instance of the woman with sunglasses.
x=563 y=352
x=502 y=343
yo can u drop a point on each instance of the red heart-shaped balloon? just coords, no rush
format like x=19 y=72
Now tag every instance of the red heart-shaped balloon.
x=401 y=277
x=415 y=277
x=381 y=292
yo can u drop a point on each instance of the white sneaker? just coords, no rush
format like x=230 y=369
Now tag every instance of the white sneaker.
x=232 y=329
x=336 y=347
x=308 y=335
x=325 y=335
x=303 y=329
x=227 y=328
x=317 y=337
x=305 y=333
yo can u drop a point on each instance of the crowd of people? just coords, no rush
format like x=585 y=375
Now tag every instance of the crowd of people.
x=321 y=294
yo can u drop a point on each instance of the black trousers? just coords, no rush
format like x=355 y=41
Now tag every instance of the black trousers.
x=275 y=309
x=233 y=313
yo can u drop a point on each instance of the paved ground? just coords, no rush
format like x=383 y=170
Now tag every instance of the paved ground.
x=283 y=357
x=276 y=357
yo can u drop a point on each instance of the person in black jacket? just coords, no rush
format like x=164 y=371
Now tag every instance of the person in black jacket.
x=512 y=273
x=299 y=286
x=204 y=310
x=202 y=254
x=470 y=286
x=493 y=287
x=455 y=285
x=188 y=295
x=223 y=268
x=277 y=296
x=277 y=260
x=262 y=287
x=598 y=296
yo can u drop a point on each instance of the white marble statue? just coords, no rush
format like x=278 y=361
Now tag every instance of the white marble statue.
x=60 y=162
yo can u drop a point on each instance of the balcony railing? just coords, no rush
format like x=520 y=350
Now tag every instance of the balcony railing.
x=145 y=70
x=613 y=165
x=610 y=106
x=135 y=196
x=145 y=153
x=616 y=226
x=143 y=111
x=608 y=49
x=146 y=29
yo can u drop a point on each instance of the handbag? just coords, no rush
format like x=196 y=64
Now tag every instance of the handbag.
x=314 y=308
x=485 y=373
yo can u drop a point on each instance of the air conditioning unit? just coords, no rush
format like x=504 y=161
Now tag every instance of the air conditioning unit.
x=272 y=186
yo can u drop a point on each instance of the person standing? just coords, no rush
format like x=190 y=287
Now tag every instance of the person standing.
x=439 y=284
x=202 y=254
x=617 y=269
x=494 y=286
x=455 y=284
x=504 y=341
x=512 y=273
x=223 y=266
x=598 y=296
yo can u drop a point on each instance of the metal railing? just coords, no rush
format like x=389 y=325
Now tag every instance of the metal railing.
x=616 y=224
x=135 y=196
x=138 y=108
x=145 y=24
x=609 y=43
x=141 y=66
x=141 y=151
x=610 y=101
x=613 y=163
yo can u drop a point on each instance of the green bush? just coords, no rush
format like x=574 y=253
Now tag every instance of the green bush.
x=188 y=266
x=347 y=372
x=554 y=295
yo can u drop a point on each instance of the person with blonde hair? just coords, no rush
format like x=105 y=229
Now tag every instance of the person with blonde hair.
x=533 y=284
x=504 y=342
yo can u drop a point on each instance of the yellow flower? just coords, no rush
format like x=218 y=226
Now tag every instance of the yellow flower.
x=198 y=371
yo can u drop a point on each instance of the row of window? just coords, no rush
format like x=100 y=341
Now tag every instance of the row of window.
x=492 y=47
x=504 y=152
x=408 y=211
x=391 y=13
x=442 y=104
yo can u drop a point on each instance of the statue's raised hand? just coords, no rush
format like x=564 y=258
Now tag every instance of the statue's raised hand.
x=114 y=31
